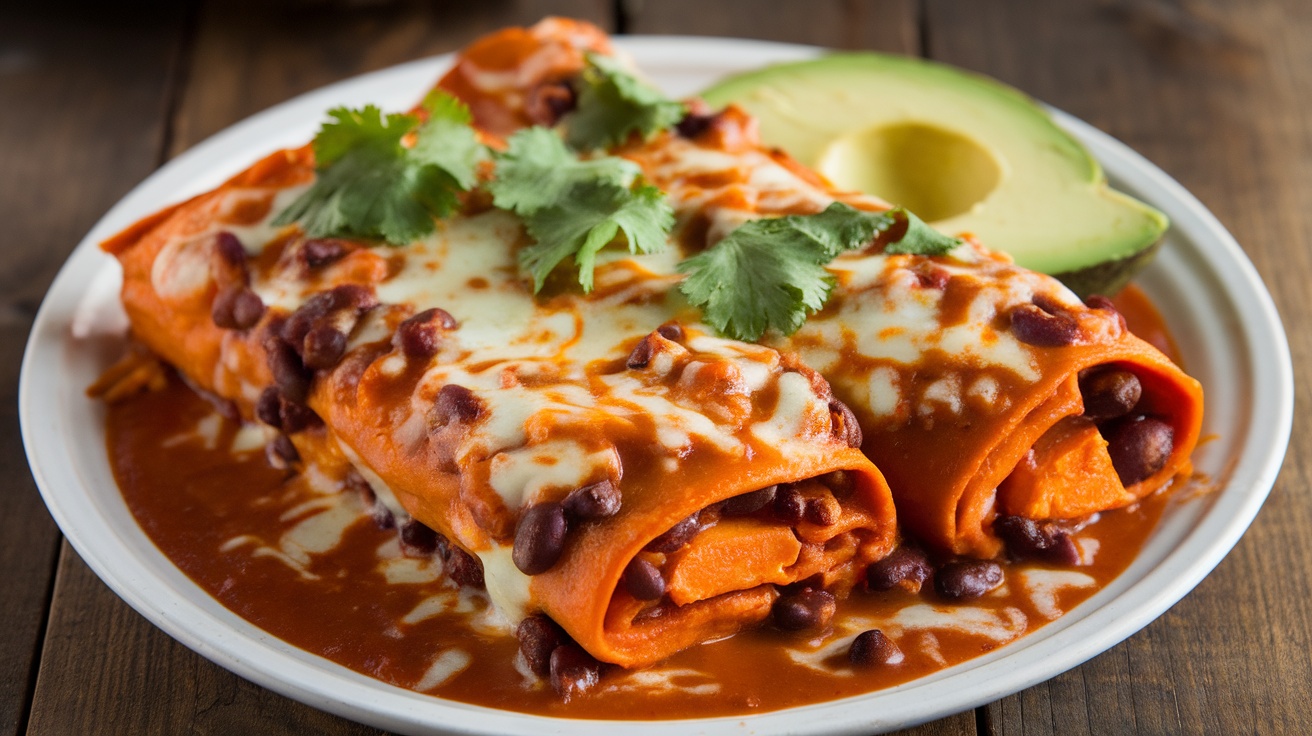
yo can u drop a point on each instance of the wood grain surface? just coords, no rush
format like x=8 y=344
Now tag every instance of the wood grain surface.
x=70 y=146
x=1219 y=94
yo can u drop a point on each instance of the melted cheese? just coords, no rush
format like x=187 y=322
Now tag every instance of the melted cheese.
x=521 y=475
x=506 y=585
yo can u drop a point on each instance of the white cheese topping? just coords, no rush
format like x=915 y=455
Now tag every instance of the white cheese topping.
x=506 y=585
x=520 y=476
x=795 y=413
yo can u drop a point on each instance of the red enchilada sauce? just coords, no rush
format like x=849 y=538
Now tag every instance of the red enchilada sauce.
x=301 y=557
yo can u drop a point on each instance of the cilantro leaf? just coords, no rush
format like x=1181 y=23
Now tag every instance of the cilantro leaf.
x=575 y=207
x=612 y=104
x=368 y=184
x=536 y=169
x=447 y=140
x=920 y=239
x=356 y=129
x=756 y=278
x=584 y=222
x=769 y=273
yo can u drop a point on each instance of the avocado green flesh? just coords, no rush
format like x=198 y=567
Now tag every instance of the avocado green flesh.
x=966 y=153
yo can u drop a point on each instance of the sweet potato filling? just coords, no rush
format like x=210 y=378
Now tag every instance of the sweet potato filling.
x=1068 y=474
x=735 y=554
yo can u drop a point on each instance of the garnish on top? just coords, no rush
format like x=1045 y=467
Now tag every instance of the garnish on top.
x=770 y=273
x=766 y=274
x=575 y=207
x=369 y=184
x=613 y=104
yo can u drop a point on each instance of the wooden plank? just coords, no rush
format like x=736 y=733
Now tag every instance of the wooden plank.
x=140 y=681
x=1218 y=95
x=251 y=54
x=83 y=94
x=106 y=669
x=884 y=25
x=961 y=724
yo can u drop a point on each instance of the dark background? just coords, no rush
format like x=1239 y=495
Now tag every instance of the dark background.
x=95 y=96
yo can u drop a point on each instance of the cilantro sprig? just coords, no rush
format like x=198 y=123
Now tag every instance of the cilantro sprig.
x=613 y=104
x=575 y=207
x=770 y=273
x=369 y=184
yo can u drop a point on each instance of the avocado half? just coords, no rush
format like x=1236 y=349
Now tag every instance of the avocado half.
x=966 y=153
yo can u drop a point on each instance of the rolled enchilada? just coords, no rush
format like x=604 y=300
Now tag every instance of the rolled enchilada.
x=971 y=377
x=599 y=459
x=985 y=391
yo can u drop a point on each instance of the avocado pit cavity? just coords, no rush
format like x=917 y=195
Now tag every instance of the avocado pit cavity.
x=933 y=171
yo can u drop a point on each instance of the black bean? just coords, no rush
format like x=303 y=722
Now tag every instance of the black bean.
x=1109 y=394
x=789 y=505
x=596 y=501
x=1139 y=447
x=1098 y=301
x=310 y=313
x=1035 y=326
x=539 y=538
x=464 y=568
x=573 y=671
x=641 y=354
x=1028 y=539
x=677 y=536
x=644 y=580
x=967 y=579
x=268 y=408
x=230 y=249
x=694 y=124
x=296 y=417
x=748 y=503
x=455 y=403
x=872 y=648
x=282 y=447
x=236 y=308
x=289 y=374
x=672 y=331
x=806 y=609
x=247 y=308
x=321 y=252
x=221 y=308
x=353 y=296
x=420 y=335
x=905 y=563
x=417 y=539
x=823 y=511
x=538 y=637
x=843 y=423
x=323 y=347
x=547 y=103
x=441 y=318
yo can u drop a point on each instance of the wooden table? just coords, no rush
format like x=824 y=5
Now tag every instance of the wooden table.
x=95 y=97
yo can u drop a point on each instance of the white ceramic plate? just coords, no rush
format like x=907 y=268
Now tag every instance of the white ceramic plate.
x=1206 y=288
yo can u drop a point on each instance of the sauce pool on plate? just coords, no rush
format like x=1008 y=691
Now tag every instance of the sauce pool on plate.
x=304 y=558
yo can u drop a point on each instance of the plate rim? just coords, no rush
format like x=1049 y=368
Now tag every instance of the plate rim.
x=406 y=711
